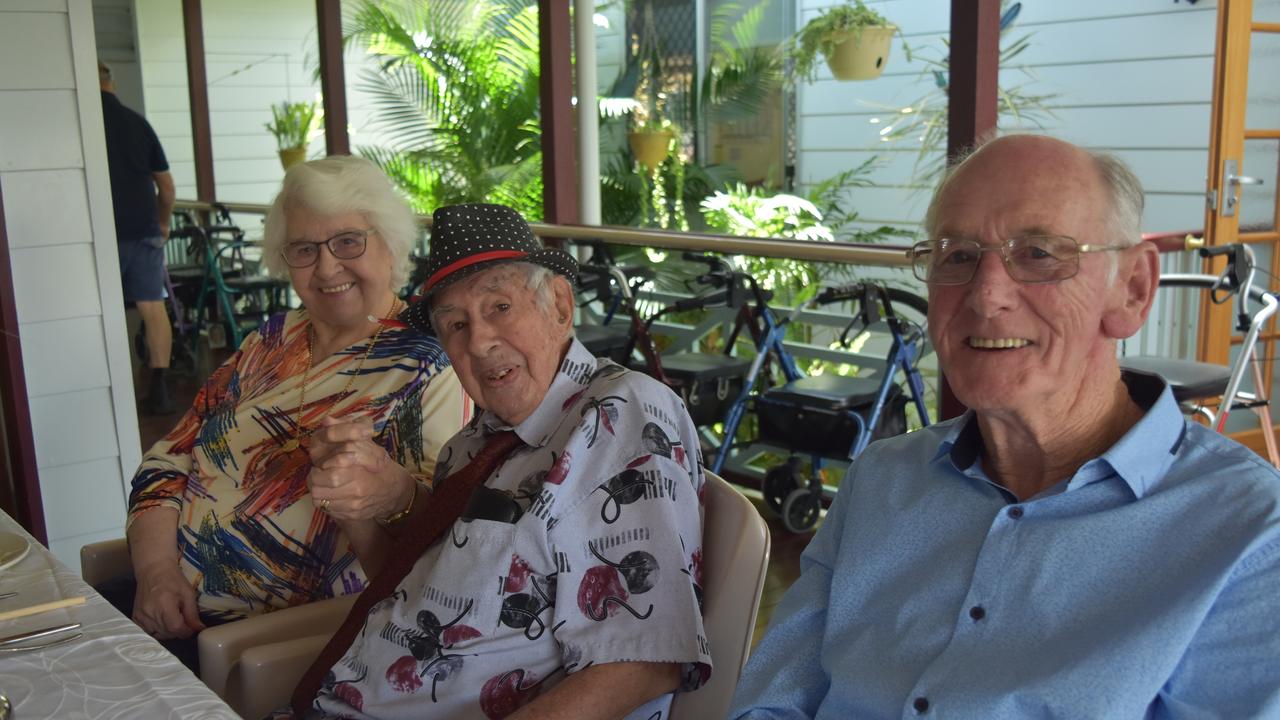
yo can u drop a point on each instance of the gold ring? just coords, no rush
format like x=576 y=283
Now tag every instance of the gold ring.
x=324 y=505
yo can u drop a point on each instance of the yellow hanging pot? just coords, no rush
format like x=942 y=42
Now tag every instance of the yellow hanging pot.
x=861 y=55
x=292 y=156
x=650 y=147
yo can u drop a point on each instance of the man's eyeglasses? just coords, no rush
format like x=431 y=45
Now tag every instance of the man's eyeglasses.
x=346 y=245
x=1032 y=259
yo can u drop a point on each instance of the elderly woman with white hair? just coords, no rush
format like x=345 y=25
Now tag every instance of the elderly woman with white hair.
x=246 y=506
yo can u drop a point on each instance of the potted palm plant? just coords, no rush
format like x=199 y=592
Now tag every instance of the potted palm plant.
x=292 y=125
x=852 y=37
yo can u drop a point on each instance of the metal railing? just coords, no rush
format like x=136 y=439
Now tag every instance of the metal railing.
x=851 y=253
x=867 y=357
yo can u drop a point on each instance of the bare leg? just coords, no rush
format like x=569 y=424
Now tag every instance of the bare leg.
x=159 y=333
x=159 y=345
x=133 y=323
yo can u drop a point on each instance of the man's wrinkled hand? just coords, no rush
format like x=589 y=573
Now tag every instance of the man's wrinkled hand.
x=352 y=477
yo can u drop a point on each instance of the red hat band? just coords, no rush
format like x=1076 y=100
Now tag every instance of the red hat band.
x=468 y=261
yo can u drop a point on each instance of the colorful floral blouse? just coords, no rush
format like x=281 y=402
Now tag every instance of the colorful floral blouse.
x=250 y=539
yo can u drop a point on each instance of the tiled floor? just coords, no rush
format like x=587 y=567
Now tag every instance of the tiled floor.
x=784 y=560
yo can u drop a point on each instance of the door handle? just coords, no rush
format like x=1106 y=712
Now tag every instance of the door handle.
x=1230 y=181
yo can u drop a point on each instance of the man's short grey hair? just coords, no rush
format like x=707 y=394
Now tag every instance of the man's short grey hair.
x=1119 y=183
x=538 y=279
x=338 y=185
x=1127 y=198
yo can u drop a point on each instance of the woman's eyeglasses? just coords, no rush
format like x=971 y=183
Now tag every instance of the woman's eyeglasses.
x=1032 y=259
x=346 y=245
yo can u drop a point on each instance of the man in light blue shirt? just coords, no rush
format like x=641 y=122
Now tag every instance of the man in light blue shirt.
x=1070 y=546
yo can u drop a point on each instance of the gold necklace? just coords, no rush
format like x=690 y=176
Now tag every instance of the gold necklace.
x=295 y=442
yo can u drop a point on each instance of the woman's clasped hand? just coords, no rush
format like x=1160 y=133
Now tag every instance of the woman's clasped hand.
x=352 y=477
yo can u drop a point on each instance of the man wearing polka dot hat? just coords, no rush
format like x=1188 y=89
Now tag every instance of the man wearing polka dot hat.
x=572 y=580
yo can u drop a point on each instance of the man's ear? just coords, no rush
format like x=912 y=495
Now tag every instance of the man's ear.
x=1134 y=290
x=564 y=304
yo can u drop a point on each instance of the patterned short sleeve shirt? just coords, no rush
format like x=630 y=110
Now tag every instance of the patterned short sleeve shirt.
x=584 y=547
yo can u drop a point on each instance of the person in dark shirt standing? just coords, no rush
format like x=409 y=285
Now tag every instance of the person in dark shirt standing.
x=142 y=196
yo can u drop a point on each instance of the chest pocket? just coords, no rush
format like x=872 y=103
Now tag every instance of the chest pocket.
x=475 y=557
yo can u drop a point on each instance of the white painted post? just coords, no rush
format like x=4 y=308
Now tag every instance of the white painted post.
x=584 y=42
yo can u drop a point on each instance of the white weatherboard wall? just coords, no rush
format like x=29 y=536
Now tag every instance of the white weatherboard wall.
x=66 y=282
x=1133 y=77
x=257 y=54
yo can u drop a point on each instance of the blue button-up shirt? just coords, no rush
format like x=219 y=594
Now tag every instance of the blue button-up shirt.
x=1145 y=585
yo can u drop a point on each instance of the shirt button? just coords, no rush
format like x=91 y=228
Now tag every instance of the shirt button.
x=921 y=705
x=977 y=613
x=1015 y=512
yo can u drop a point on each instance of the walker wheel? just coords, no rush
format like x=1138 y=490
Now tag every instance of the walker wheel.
x=778 y=483
x=800 y=510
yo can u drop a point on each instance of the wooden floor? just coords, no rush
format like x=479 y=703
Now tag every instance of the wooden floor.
x=784 y=568
x=784 y=560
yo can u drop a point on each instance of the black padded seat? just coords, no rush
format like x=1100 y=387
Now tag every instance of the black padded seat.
x=708 y=384
x=700 y=367
x=251 y=283
x=1188 y=379
x=830 y=392
x=607 y=341
x=814 y=414
x=178 y=273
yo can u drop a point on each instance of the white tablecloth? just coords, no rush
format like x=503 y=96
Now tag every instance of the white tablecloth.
x=115 y=672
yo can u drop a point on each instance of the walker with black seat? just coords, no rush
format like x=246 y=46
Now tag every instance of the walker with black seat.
x=709 y=383
x=601 y=280
x=828 y=417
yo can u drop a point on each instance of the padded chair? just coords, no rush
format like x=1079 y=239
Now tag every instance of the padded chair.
x=254 y=664
x=735 y=546
x=230 y=654
x=1196 y=385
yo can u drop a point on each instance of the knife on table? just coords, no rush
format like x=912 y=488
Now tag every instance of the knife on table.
x=43 y=632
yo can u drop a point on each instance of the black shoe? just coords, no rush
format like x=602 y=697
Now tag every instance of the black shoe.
x=158 y=401
x=161 y=406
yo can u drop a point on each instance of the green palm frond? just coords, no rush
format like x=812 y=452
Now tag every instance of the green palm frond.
x=455 y=93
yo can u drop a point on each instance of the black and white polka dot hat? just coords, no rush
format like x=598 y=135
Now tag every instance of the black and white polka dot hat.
x=466 y=239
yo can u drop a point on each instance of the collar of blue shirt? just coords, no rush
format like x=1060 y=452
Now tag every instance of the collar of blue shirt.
x=1130 y=458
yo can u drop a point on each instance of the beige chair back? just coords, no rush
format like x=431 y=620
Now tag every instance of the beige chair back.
x=735 y=547
x=102 y=561
x=222 y=648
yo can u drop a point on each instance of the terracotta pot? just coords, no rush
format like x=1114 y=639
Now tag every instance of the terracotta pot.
x=650 y=147
x=292 y=156
x=861 y=57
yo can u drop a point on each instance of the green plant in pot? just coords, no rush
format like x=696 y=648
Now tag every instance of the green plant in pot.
x=292 y=125
x=852 y=37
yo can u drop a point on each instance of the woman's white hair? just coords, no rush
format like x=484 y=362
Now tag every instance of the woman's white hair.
x=337 y=185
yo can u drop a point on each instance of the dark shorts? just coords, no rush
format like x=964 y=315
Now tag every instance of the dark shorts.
x=142 y=270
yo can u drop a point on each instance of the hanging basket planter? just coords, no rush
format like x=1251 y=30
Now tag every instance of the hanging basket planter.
x=292 y=156
x=862 y=54
x=650 y=147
